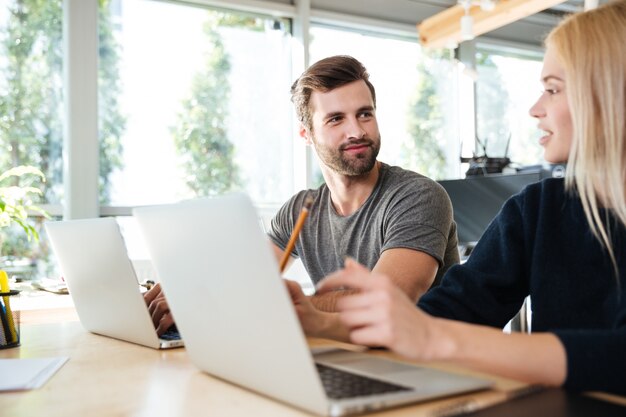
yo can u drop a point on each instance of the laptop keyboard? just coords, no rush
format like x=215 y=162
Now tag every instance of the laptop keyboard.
x=170 y=334
x=340 y=384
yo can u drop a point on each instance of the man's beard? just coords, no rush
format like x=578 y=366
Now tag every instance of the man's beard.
x=356 y=165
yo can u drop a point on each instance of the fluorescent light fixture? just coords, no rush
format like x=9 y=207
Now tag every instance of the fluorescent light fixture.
x=487 y=5
x=467 y=28
x=444 y=28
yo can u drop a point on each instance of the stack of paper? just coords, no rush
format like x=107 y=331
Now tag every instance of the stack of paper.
x=25 y=374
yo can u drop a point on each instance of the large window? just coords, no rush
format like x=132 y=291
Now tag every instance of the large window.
x=194 y=101
x=30 y=116
x=416 y=97
x=30 y=90
x=503 y=124
x=202 y=104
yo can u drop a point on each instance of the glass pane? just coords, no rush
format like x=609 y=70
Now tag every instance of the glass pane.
x=415 y=94
x=203 y=104
x=30 y=121
x=504 y=126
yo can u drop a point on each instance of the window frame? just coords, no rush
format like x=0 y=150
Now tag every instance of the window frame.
x=508 y=50
x=80 y=185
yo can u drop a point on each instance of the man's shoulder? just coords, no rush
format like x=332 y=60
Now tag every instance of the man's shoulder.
x=295 y=203
x=395 y=177
x=395 y=170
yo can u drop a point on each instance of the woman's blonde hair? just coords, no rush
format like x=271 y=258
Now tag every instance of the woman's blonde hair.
x=592 y=49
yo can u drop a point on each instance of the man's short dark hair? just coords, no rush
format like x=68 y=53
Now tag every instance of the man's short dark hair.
x=323 y=76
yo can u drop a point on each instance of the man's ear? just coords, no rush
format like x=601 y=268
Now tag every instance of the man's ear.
x=305 y=134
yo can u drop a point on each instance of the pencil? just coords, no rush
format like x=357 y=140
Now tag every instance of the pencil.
x=11 y=335
x=471 y=405
x=308 y=202
x=4 y=327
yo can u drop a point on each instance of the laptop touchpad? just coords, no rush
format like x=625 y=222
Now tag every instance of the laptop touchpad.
x=423 y=379
x=363 y=363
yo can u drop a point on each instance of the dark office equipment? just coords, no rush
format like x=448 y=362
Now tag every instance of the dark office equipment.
x=477 y=200
x=553 y=403
x=485 y=165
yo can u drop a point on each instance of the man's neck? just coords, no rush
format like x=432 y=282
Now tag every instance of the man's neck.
x=349 y=193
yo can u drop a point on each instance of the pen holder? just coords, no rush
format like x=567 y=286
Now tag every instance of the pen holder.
x=9 y=320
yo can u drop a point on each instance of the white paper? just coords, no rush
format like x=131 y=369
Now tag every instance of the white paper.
x=25 y=374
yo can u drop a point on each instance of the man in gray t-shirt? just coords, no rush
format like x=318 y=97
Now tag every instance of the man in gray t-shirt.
x=393 y=221
x=405 y=210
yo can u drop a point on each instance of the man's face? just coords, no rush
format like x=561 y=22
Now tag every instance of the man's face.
x=345 y=131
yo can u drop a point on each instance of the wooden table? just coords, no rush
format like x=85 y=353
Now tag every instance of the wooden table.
x=107 y=377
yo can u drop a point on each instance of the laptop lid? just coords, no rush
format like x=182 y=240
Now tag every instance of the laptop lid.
x=231 y=306
x=101 y=280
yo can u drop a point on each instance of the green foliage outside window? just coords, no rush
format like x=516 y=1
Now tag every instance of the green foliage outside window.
x=200 y=133
x=19 y=188
x=16 y=199
x=492 y=125
x=31 y=131
x=425 y=124
x=111 y=121
x=30 y=95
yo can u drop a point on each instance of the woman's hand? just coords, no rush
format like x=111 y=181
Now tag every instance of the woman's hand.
x=380 y=314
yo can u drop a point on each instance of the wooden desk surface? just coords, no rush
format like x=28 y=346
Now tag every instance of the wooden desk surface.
x=107 y=377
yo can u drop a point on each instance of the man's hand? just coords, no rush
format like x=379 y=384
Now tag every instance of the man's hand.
x=314 y=322
x=310 y=317
x=158 y=309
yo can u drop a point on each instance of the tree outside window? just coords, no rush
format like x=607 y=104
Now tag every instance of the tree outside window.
x=31 y=60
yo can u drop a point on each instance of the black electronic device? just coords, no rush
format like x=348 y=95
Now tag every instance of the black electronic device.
x=484 y=164
x=477 y=200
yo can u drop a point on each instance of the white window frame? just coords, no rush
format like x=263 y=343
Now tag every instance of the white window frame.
x=81 y=150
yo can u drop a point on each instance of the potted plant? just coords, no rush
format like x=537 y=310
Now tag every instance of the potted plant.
x=17 y=192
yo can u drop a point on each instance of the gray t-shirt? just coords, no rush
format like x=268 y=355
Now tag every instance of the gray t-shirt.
x=405 y=210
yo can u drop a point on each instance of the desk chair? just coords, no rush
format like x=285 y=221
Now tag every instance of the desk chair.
x=521 y=322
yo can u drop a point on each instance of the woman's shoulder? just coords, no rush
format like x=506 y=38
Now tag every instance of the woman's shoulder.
x=548 y=188
x=548 y=194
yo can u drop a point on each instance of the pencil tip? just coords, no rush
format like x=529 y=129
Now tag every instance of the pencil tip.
x=308 y=201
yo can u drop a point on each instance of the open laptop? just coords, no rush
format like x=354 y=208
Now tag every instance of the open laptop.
x=102 y=282
x=223 y=286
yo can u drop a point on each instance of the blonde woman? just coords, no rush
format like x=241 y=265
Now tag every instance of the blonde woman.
x=563 y=242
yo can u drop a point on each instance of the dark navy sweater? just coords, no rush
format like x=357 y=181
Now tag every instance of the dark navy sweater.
x=540 y=244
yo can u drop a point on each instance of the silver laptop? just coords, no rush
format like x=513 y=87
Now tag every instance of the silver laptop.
x=223 y=286
x=102 y=282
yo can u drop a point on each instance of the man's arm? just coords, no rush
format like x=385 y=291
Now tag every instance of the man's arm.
x=411 y=270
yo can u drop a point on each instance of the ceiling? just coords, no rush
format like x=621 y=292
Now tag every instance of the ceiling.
x=529 y=31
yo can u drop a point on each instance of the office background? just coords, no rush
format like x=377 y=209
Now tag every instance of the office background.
x=133 y=102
